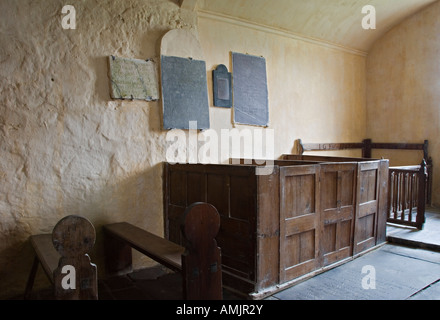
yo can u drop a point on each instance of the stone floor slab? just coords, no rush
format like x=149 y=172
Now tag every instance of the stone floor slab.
x=398 y=276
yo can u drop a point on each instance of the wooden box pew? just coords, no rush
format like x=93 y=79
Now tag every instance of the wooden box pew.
x=64 y=258
x=367 y=145
x=198 y=260
x=371 y=193
x=304 y=217
x=409 y=187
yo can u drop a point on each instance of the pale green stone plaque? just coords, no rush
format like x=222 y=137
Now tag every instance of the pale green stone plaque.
x=133 y=79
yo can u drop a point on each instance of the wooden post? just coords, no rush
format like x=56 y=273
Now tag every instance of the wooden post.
x=201 y=262
x=425 y=150
x=76 y=277
x=298 y=147
x=366 y=149
x=420 y=219
x=429 y=181
x=384 y=184
x=118 y=256
x=31 y=278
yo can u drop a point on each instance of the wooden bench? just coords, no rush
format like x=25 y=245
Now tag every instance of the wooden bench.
x=199 y=261
x=65 y=260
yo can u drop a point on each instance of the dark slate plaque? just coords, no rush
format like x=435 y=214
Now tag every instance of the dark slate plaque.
x=184 y=93
x=221 y=80
x=251 y=104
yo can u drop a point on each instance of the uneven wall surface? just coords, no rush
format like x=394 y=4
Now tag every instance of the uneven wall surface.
x=403 y=89
x=67 y=148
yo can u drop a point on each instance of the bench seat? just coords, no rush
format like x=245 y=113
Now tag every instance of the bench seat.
x=159 y=249
x=45 y=253
x=199 y=262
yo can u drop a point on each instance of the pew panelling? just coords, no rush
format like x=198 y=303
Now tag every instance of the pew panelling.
x=299 y=221
x=302 y=218
x=237 y=193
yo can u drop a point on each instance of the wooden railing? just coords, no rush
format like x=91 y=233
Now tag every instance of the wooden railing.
x=410 y=187
x=367 y=146
x=407 y=195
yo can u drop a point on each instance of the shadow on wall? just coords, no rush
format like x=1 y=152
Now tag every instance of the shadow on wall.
x=136 y=199
x=102 y=81
x=102 y=94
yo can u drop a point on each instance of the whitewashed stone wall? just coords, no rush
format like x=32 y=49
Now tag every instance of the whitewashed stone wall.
x=66 y=147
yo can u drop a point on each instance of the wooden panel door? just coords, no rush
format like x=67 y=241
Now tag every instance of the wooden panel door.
x=366 y=206
x=299 y=221
x=338 y=182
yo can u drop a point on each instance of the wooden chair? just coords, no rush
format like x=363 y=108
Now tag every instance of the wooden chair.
x=65 y=260
x=199 y=261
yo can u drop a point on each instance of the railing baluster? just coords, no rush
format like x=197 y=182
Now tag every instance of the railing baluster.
x=402 y=197
x=390 y=194
x=396 y=194
x=411 y=195
x=407 y=176
x=405 y=192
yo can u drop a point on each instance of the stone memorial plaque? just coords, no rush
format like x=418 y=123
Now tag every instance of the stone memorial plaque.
x=222 y=87
x=251 y=102
x=184 y=93
x=133 y=79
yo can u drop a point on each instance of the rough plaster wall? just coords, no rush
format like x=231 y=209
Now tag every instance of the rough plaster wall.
x=66 y=148
x=404 y=89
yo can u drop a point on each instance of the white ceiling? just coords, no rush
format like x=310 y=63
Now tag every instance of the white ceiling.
x=338 y=22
